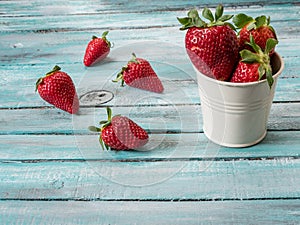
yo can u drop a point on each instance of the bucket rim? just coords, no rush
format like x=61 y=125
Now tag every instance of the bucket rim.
x=232 y=84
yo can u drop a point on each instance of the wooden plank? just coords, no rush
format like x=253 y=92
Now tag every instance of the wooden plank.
x=175 y=76
x=179 y=81
x=68 y=47
x=151 y=180
x=41 y=57
x=40 y=8
x=84 y=22
x=184 y=146
x=159 y=118
x=287 y=28
x=270 y=212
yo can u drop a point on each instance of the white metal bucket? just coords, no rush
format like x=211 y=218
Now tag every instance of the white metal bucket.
x=236 y=114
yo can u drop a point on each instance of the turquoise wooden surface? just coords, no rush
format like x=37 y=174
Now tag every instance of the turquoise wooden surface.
x=52 y=170
x=152 y=212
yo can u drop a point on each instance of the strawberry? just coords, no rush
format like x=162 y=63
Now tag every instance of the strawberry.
x=57 y=88
x=120 y=133
x=96 y=50
x=259 y=28
x=212 y=47
x=138 y=73
x=255 y=66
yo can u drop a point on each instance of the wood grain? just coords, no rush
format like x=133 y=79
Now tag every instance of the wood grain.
x=151 y=180
x=165 y=213
x=168 y=118
x=52 y=169
x=19 y=148
x=100 y=77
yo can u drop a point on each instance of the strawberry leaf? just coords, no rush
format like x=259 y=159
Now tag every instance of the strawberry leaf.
x=206 y=13
x=261 y=21
x=219 y=12
x=104 y=34
x=272 y=29
x=185 y=21
x=193 y=13
x=249 y=57
x=192 y=20
x=225 y=18
x=103 y=122
x=251 y=26
x=269 y=77
x=271 y=43
x=268 y=20
x=196 y=20
x=261 y=72
x=231 y=26
x=55 y=69
x=38 y=82
x=120 y=77
x=109 y=113
x=255 y=47
x=133 y=59
x=104 y=146
x=94 y=129
x=241 y=20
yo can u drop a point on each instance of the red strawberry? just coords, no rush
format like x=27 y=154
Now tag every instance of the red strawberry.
x=120 y=133
x=138 y=73
x=246 y=72
x=57 y=88
x=259 y=28
x=212 y=47
x=255 y=66
x=96 y=50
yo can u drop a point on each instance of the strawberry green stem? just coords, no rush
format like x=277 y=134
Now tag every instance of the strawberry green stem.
x=103 y=124
x=241 y=20
x=193 y=19
x=109 y=113
x=38 y=82
x=263 y=58
x=94 y=129
x=120 y=76
x=55 y=69
x=103 y=37
x=104 y=34
x=269 y=77
x=133 y=59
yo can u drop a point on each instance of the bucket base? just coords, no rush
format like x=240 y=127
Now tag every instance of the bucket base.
x=235 y=145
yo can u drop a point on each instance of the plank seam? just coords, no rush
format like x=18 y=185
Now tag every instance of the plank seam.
x=126 y=106
x=229 y=6
x=71 y=132
x=218 y=159
x=150 y=199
